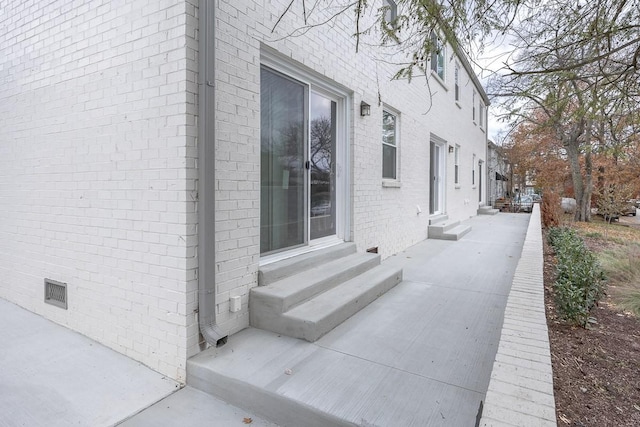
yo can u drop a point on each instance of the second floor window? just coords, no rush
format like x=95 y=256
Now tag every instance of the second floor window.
x=437 y=56
x=473 y=106
x=391 y=11
x=456 y=77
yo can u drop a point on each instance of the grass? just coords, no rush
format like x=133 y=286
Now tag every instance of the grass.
x=619 y=258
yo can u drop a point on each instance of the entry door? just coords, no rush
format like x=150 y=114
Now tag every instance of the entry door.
x=436 y=185
x=298 y=163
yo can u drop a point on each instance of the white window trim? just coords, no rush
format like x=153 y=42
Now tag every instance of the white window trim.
x=393 y=182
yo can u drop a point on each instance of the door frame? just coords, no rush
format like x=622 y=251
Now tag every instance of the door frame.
x=344 y=105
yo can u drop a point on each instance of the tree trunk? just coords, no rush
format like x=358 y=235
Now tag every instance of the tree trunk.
x=573 y=154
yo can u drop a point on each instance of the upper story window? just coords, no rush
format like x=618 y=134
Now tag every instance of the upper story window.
x=391 y=10
x=437 y=56
x=389 y=145
x=481 y=112
x=456 y=77
x=473 y=106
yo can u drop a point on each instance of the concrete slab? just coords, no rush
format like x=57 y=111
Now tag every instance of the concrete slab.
x=421 y=354
x=191 y=407
x=52 y=376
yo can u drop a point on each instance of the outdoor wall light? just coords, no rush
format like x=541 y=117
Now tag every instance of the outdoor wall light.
x=365 y=109
x=451 y=149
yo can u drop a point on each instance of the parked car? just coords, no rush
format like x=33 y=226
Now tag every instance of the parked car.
x=524 y=203
x=630 y=208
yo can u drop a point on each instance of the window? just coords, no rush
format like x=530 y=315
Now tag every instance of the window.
x=437 y=56
x=481 y=112
x=391 y=11
x=456 y=160
x=473 y=106
x=389 y=145
x=456 y=75
x=473 y=170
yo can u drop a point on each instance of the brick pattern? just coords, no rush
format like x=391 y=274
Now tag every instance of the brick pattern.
x=383 y=217
x=97 y=169
x=521 y=387
x=98 y=179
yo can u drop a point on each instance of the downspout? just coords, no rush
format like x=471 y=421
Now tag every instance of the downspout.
x=206 y=177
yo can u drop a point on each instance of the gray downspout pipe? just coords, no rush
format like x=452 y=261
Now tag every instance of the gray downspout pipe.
x=206 y=176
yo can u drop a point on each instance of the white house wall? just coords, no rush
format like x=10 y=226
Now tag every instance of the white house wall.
x=98 y=158
x=97 y=170
x=381 y=216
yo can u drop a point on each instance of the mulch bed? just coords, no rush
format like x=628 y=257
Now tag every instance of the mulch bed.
x=596 y=371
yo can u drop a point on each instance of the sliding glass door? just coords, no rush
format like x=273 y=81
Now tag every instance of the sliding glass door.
x=298 y=163
x=283 y=141
x=322 y=166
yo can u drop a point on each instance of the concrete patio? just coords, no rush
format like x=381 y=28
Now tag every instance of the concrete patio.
x=420 y=355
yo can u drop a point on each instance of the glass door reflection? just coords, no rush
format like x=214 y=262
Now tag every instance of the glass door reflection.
x=322 y=166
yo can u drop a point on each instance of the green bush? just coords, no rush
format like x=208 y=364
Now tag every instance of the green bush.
x=580 y=282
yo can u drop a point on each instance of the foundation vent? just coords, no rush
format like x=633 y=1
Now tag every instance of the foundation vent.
x=55 y=293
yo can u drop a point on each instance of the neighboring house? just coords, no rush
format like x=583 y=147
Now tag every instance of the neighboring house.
x=498 y=173
x=154 y=155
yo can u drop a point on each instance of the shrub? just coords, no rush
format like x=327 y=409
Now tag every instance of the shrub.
x=580 y=282
x=550 y=209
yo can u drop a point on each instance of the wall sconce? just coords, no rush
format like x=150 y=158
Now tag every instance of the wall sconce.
x=365 y=109
x=451 y=149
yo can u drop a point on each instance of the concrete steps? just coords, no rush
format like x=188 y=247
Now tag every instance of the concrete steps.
x=308 y=295
x=440 y=227
x=273 y=272
x=487 y=210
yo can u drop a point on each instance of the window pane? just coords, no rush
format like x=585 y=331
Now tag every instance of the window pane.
x=388 y=128
x=388 y=162
x=282 y=175
x=322 y=166
x=440 y=70
x=391 y=12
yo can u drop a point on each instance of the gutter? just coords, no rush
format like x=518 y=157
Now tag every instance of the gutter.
x=206 y=177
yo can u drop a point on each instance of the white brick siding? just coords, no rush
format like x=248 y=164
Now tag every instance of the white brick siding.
x=97 y=169
x=383 y=217
x=98 y=158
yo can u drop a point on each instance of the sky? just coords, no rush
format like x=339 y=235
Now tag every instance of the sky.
x=492 y=60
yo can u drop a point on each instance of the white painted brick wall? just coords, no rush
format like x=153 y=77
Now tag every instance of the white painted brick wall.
x=97 y=161
x=383 y=217
x=97 y=169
